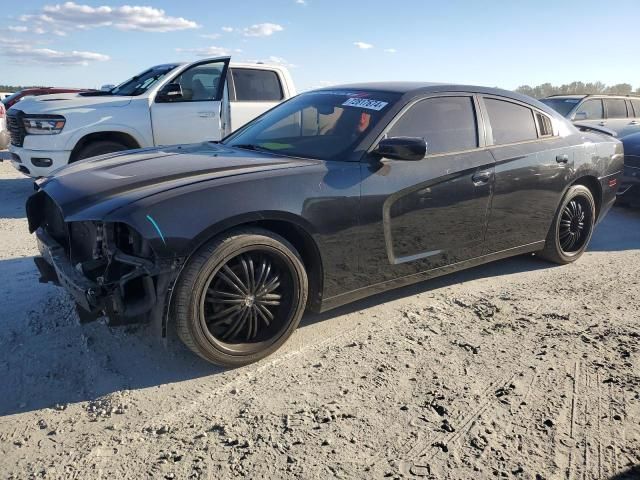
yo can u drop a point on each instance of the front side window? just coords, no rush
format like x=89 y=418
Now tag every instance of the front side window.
x=141 y=83
x=590 y=110
x=201 y=83
x=326 y=125
x=448 y=124
x=510 y=122
x=616 y=108
x=253 y=85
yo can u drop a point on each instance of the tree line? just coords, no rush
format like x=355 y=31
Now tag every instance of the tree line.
x=546 y=89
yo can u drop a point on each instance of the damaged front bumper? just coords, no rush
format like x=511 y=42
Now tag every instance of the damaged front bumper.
x=111 y=298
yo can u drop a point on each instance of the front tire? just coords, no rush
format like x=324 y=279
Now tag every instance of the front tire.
x=102 y=147
x=240 y=297
x=572 y=227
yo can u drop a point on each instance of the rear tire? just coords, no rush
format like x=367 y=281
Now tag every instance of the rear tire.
x=240 y=297
x=572 y=227
x=102 y=147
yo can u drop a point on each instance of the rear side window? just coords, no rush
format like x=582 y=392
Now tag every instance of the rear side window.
x=256 y=85
x=636 y=107
x=510 y=122
x=544 y=125
x=616 y=108
x=590 y=110
x=448 y=124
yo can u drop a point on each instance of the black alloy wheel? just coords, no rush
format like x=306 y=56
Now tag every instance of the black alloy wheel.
x=240 y=297
x=575 y=224
x=571 y=228
x=248 y=301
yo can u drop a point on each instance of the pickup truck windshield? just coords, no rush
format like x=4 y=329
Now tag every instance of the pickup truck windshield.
x=141 y=83
x=326 y=124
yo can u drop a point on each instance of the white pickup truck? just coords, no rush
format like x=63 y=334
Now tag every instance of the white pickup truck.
x=165 y=105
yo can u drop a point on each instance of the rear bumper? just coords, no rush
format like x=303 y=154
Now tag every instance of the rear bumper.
x=29 y=161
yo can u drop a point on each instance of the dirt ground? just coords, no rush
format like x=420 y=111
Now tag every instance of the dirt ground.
x=518 y=369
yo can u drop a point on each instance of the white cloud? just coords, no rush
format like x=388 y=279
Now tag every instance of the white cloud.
x=262 y=30
x=301 y=2
x=27 y=55
x=363 y=45
x=126 y=17
x=390 y=50
x=18 y=28
x=227 y=29
x=209 y=51
x=211 y=36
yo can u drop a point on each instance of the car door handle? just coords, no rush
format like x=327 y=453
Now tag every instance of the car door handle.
x=481 y=178
x=564 y=158
x=633 y=122
x=206 y=114
x=602 y=124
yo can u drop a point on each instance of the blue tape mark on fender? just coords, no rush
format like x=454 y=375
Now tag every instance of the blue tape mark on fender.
x=155 y=225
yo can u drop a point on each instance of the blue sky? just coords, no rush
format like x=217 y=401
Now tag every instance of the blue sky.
x=494 y=43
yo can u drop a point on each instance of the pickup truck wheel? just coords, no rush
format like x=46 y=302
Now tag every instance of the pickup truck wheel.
x=572 y=227
x=240 y=297
x=101 y=147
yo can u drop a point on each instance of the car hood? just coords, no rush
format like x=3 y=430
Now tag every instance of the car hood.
x=92 y=188
x=62 y=102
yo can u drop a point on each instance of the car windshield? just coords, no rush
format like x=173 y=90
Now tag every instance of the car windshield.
x=141 y=83
x=561 y=105
x=325 y=124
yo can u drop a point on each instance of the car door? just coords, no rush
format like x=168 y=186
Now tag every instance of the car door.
x=616 y=115
x=421 y=215
x=253 y=91
x=196 y=114
x=532 y=167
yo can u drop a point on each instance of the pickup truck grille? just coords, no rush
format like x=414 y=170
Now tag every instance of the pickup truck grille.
x=16 y=127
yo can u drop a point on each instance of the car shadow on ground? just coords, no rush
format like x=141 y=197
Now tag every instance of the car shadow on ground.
x=10 y=190
x=620 y=230
x=632 y=473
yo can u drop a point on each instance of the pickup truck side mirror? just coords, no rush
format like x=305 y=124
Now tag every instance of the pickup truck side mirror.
x=169 y=93
x=402 y=148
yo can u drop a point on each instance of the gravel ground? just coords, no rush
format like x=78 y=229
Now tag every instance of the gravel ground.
x=518 y=369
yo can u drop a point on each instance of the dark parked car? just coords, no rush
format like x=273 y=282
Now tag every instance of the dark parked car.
x=334 y=195
x=11 y=100
x=629 y=192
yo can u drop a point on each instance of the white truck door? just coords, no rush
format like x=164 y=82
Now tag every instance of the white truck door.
x=188 y=108
x=253 y=91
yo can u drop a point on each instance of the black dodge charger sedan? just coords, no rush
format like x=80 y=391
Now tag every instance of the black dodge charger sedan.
x=329 y=197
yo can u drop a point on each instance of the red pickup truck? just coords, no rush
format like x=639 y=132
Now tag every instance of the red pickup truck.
x=34 y=92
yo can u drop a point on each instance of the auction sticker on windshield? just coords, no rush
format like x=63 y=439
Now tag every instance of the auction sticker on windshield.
x=365 y=103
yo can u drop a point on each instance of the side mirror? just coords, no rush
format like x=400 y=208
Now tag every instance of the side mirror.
x=169 y=93
x=402 y=148
x=580 y=116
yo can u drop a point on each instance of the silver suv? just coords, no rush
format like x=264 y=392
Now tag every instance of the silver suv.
x=619 y=113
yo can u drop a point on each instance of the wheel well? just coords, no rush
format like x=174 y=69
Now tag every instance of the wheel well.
x=119 y=137
x=594 y=187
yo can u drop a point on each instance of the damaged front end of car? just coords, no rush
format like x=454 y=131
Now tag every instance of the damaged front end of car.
x=108 y=268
